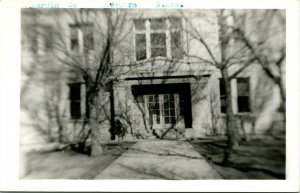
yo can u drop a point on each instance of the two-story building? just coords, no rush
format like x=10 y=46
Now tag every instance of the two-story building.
x=163 y=84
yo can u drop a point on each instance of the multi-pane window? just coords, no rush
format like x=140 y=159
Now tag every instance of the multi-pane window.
x=169 y=109
x=158 y=37
x=81 y=37
x=243 y=99
x=243 y=95
x=154 y=111
x=223 y=95
x=75 y=102
x=175 y=31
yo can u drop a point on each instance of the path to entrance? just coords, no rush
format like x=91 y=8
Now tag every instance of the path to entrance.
x=160 y=160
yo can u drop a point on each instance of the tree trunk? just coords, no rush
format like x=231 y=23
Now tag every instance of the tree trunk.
x=232 y=132
x=96 y=148
x=112 y=113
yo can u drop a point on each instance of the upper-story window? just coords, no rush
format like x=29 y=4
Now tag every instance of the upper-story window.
x=81 y=37
x=41 y=39
x=158 y=37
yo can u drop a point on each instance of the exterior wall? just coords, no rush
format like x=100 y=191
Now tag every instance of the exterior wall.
x=49 y=82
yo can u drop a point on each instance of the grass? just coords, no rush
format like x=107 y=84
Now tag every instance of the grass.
x=67 y=164
x=255 y=159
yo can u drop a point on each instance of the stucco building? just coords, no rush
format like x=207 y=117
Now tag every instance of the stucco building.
x=159 y=85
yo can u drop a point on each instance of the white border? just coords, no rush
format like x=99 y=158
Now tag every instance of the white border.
x=9 y=107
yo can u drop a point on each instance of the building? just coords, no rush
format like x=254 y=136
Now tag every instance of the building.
x=159 y=82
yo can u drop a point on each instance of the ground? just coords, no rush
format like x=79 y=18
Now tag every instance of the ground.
x=158 y=159
x=255 y=159
x=67 y=164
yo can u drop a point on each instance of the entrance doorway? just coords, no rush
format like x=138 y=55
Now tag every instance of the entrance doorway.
x=163 y=110
x=166 y=104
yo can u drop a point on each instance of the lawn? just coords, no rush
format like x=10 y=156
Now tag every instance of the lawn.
x=255 y=159
x=67 y=164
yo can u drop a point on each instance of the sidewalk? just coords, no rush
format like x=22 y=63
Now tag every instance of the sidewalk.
x=173 y=160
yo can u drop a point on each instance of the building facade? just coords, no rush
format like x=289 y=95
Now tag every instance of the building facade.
x=159 y=82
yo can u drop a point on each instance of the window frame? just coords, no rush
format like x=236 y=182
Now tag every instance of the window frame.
x=248 y=95
x=82 y=35
x=72 y=101
x=235 y=96
x=222 y=96
x=168 y=30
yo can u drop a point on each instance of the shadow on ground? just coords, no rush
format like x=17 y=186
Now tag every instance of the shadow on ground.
x=255 y=159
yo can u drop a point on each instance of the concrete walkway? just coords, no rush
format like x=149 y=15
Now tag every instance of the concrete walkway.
x=174 y=160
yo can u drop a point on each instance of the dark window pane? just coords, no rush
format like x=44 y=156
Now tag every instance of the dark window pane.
x=141 y=54
x=140 y=44
x=158 y=52
x=223 y=104
x=158 y=44
x=157 y=119
x=172 y=105
x=74 y=91
x=243 y=86
x=171 y=97
x=222 y=86
x=172 y=112
x=158 y=39
x=139 y=24
x=167 y=120
x=173 y=120
x=75 y=110
x=157 y=24
x=243 y=104
x=166 y=112
x=176 y=47
x=223 y=109
x=74 y=44
x=166 y=105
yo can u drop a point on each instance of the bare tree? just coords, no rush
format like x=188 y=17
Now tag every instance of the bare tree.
x=87 y=57
x=263 y=32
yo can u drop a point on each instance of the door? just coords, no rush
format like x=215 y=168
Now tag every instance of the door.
x=154 y=110
x=163 y=110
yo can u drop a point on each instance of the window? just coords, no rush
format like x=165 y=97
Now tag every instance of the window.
x=243 y=95
x=41 y=39
x=75 y=103
x=223 y=95
x=169 y=109
x=154 y=111
x=158 y=37
x=82 y=33
x=243 y=98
